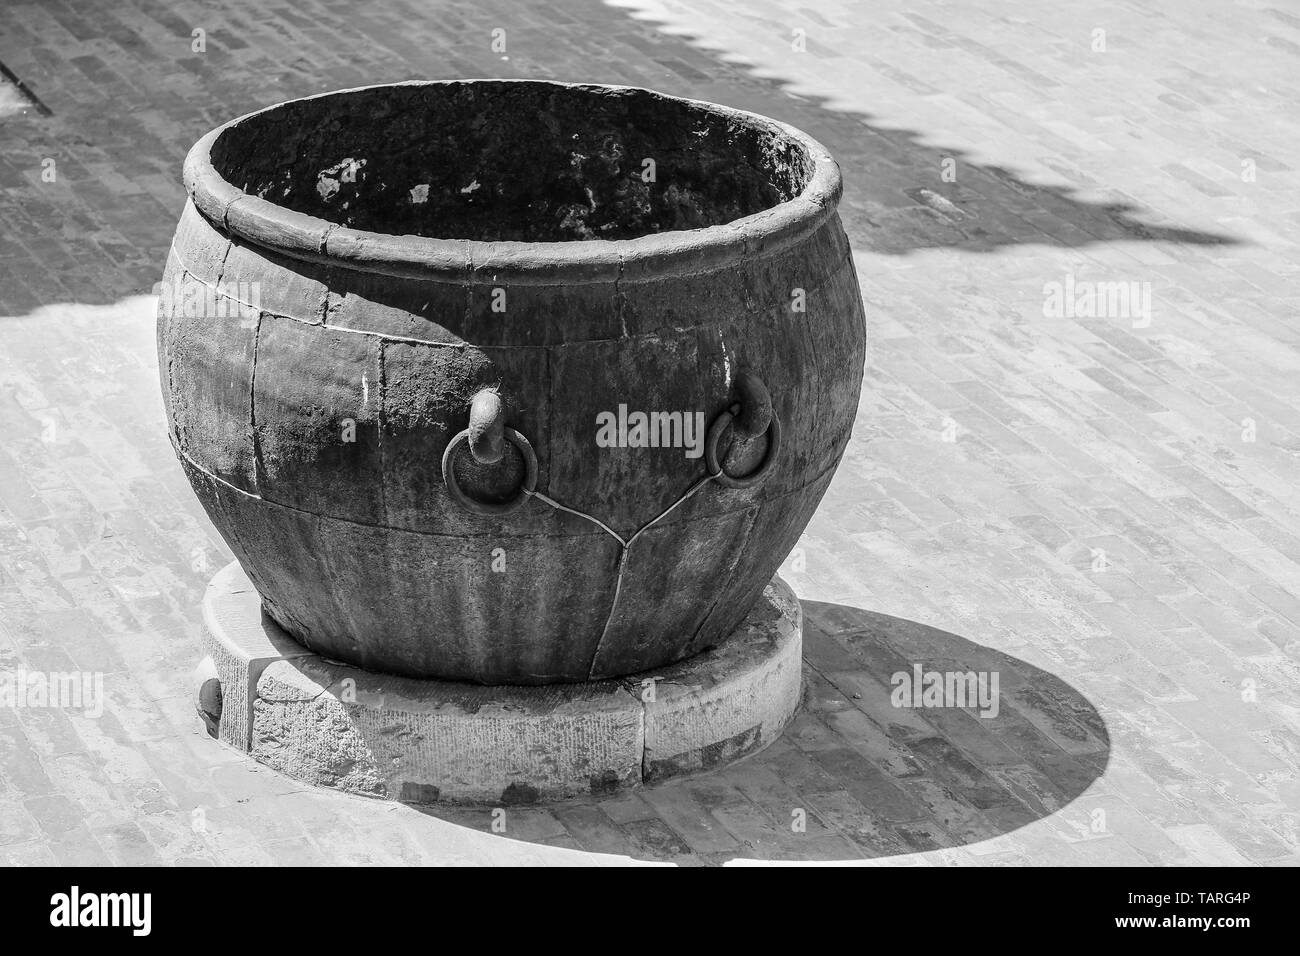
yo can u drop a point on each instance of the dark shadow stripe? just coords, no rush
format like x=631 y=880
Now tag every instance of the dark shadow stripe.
x=31 y=97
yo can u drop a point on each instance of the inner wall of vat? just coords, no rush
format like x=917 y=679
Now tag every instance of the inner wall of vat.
x=510 y=161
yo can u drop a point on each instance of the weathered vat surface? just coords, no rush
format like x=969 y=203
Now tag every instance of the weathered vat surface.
x=353 y=269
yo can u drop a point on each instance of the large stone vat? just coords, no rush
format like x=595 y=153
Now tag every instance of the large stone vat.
x=355 y=271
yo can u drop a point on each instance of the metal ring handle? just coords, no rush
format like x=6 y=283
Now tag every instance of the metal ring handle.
x=487 y=420
x=755 y=405
x=490 y=507
x=714 y=462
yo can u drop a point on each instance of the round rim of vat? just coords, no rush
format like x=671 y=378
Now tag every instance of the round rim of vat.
x=677 y=252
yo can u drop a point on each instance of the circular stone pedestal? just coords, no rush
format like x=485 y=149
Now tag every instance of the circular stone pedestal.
x=424 y=741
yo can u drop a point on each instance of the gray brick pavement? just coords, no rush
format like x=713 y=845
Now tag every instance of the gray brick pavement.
x=1101 y=508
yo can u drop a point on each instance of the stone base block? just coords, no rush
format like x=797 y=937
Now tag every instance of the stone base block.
x=426 y=741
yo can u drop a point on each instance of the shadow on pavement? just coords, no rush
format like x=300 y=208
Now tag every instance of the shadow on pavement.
x=104 y=229
x=855 y=776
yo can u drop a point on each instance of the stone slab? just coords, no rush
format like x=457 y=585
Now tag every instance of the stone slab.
x=721 y=705
x=239 y=641
x=430 y=741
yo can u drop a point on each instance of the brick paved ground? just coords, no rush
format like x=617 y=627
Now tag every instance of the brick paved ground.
x=1103 y=510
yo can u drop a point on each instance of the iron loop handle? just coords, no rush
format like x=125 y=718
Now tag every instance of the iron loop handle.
x=487 y=420
x=755 y=406
x=486 y=437
x=752 y=416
